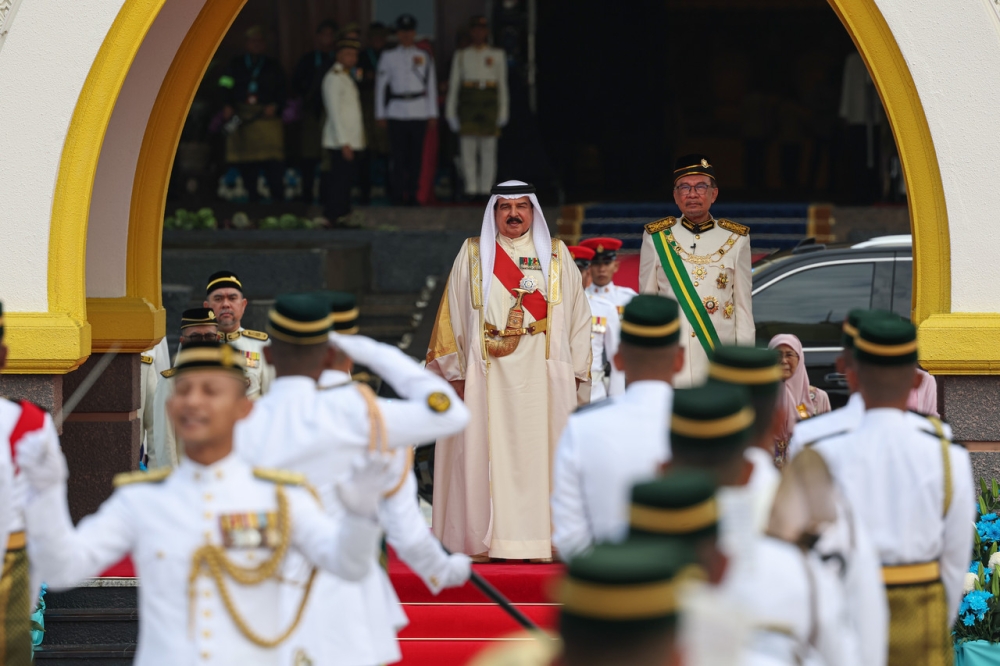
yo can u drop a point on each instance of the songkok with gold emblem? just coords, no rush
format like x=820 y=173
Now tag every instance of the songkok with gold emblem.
x=651 y=321
x=223 y=280
x=618 y=589
x=581 y=256
x=198 y=317
x=209 y=355
x=693 y=165
x=679 y=504
x=605 y=249
x=712 y=417
x=886 y=341
x=348 y=43
x=299 y=319
x=344 y=311
x=756 y=368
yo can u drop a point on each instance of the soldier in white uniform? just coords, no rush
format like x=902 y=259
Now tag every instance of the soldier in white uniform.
x=209 y=564
x=603 y=269
x=197 y=325
x=912 y=492
x=478 y=106
x=319 y=432
x=611 y=445
x=224 y=294
x=406 y=104
x=704 y=264
x=19 y=579
x=605 y=336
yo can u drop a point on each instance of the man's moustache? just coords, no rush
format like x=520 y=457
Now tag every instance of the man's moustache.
x=514 y=219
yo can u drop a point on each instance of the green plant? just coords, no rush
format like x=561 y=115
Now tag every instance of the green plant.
x=979 y=612
x=185 y=220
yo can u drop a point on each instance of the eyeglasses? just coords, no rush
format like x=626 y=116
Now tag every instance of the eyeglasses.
x=701 y=189
x=202 y=337
x=787 y=356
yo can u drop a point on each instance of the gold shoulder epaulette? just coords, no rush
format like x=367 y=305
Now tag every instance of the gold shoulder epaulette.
x=256 y=335
x=281 y=476
x=169 y=372
x=148 y=360
x=660 y=225
x=735 y=227
x=152 y=476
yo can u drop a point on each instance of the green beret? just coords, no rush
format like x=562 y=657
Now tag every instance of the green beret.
x=343 y=310
x=209 y=355
x=693 y=165
x=651 y=321
x=299 y=319
x=198 y=317
x=853 y=321
x=718 y=415
x=612 y=586
x=756 y=368
x=886 y=341
x=679 y=504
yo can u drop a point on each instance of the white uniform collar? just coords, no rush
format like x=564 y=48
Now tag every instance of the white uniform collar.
x=333 y=378
x=487 y=244
x=292 y=384
x=219 y=470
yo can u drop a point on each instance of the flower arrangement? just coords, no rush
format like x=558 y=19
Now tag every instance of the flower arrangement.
x=979 y=612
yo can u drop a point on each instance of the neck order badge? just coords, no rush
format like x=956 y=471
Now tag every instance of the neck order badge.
x=685 y=292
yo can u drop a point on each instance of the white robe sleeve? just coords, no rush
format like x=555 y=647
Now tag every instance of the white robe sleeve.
x=742 y=290
x=449 y=345
x=958 y=525
x=579 y=318
x=571 y=533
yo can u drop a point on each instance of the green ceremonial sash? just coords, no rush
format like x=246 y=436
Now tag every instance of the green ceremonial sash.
x=685 y=292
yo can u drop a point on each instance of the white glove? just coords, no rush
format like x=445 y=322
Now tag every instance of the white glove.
x=41 y=461
x=373 y=476
x=454 y=125
x=458 y=572
x=357 y=347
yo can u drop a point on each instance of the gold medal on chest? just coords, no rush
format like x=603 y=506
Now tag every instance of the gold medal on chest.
x=722 y=280
x=711 y=304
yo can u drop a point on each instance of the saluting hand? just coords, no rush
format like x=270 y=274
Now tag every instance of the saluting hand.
x=41 y=461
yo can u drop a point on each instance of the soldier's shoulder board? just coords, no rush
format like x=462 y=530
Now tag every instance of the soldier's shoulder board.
x=281 y=476
x=256 y=335
x=153 y=476
x=735 y=227
x=592 y=405
x=148 y=360
x=660 y=225
x=169 y=372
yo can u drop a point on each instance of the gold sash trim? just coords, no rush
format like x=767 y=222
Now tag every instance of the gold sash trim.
x=16 y=541
x=911 y=574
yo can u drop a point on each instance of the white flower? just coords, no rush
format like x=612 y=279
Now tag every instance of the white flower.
x=994 y=560
x=970 y=582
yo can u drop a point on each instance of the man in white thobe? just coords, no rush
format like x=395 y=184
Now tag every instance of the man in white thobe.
x=512 y=335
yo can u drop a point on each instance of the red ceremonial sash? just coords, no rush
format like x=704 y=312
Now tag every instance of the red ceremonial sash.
x=510 y=277
x=32 y=418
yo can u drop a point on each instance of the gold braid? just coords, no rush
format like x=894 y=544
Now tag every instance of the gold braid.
x=378 y=440
x=214 y=559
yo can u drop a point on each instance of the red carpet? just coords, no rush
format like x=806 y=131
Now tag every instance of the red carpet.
x=449 y=629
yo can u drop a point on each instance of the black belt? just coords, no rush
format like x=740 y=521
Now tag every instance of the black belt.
x=413 y=95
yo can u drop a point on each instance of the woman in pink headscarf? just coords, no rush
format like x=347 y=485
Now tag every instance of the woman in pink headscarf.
x=797 y=399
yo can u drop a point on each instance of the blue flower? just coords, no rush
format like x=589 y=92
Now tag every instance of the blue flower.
x=974 y=606
x=988 y=573
x=988 y=528
x=989 y=517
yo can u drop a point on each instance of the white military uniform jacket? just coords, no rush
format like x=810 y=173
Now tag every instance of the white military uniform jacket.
x=319 y=432
x=605 y=336
x=607 y=448
x=147 y=395
x=719 y=268
x=344 y=125
x=162 y=450
x=892 y=474
x=259 y=373
x=618 y=295
x=196 y=505
x=409 y=72
x=484 y=66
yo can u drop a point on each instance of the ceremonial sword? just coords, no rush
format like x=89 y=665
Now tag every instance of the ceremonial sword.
x=499 y=599
x=86 y=385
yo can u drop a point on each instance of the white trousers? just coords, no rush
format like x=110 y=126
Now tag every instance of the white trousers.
x=479 y=163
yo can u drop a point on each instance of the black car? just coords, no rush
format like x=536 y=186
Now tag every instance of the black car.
x=809 y=290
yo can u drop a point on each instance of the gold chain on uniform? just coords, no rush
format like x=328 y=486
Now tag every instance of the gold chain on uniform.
x=377 y=437
x=214 y=558
x=713 y=258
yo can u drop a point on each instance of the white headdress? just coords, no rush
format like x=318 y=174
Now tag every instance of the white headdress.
x=515 y=189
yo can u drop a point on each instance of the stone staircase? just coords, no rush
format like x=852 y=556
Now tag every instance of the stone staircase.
x=96 y=624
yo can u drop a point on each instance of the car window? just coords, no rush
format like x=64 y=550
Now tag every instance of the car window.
x=812 y=304
x=902 y=288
